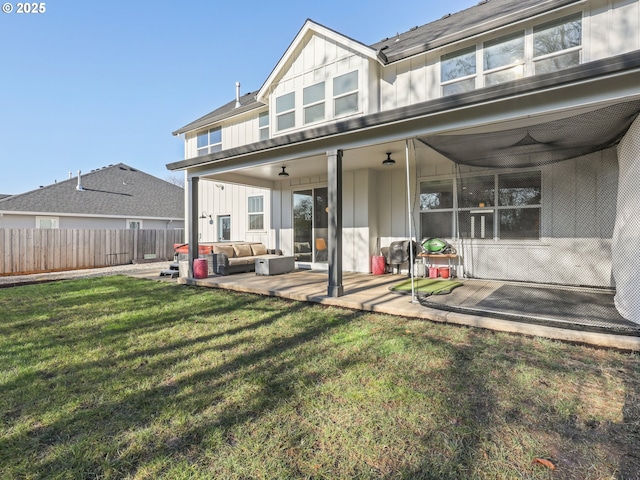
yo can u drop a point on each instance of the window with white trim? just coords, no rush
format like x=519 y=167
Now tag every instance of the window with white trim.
x=286 y=111
x=544 y=48
x=47 y=222
x=557 y=44
x=263 y=125
x=505 y=206
x=458 y=71
x=345 y=94
x=255 y=207
x=133 y=224
x=503 y=59
x=209 y=141
x=313 y=103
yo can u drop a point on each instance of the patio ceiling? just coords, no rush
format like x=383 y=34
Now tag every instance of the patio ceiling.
x=369 y=157
x=527 y=141
x=539 y=143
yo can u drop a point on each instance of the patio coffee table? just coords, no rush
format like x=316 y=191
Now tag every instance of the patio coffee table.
x=275 y=265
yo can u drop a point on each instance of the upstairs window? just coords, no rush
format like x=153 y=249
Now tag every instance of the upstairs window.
x=504 y=59
x=345 y=94
x=458 y=71
x=210 y=141
x=313 y=103
x=557 y=44
x=263 y=125
x=256 y=212
x=285 y=111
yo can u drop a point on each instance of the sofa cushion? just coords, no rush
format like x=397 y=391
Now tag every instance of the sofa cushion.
x=226 y=249
x=242 y=250
x=258 y=249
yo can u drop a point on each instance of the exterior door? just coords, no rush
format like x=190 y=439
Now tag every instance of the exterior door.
x=310 y=225
x=224 y=228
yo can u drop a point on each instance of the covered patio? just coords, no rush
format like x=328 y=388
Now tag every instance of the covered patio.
x=535 y=125
x=477 y=303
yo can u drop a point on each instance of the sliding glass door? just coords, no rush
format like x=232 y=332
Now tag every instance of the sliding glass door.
x=310 y=225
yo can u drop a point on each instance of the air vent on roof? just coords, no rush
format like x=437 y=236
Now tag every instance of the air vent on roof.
x=446 y=16
x=482 y=2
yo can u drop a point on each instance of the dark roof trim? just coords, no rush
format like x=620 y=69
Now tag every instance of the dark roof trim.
x=481 y=25
x=591 y=70
x=248 y=102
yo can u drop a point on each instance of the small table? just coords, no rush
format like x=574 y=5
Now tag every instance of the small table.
x=275 y=265
x=427 y=258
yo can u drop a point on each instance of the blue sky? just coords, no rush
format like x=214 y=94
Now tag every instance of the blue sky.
x=91 y=83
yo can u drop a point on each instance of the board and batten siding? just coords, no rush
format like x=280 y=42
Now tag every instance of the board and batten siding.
x=610 y=27
x=231 y=200
x=577 y=218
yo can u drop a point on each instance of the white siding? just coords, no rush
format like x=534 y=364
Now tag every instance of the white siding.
x=578 y=213
x=610 y=27
x=231 y=200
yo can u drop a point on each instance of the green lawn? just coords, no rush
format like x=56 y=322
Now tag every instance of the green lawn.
x=122 y=378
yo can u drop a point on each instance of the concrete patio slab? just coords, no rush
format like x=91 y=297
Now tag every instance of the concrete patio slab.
x=371 y=293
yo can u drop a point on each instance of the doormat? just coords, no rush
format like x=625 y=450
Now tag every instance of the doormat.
x=426 y=286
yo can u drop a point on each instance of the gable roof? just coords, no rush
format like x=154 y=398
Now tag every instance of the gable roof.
x=487 y=15
x=116 y=190
x=3 y=195
x=313 y=27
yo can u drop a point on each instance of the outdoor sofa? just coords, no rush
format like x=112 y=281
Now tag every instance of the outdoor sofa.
x=229 y=257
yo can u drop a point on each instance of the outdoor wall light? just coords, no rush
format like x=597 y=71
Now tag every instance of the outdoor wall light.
x=205 y=215
x=283 y=173
x=388 y=161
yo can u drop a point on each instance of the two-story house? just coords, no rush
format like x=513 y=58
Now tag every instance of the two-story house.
x=509 y=129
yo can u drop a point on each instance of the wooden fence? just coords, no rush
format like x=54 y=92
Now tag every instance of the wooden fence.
x=24 y=250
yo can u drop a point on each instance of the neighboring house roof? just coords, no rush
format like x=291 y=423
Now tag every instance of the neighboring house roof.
x=487 y=15
x=2 y=195
x=116 y=190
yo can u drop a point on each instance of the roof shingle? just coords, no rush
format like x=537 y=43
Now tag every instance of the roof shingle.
x=116 y=190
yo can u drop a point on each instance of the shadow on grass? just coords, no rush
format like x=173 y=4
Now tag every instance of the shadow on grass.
x=178 y=383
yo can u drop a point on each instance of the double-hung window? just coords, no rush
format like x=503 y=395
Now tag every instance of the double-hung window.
x=256 y=212
x=285 y=111
x=345 y=94
x=504 y=59
x=209 y=141
x=313 y=103
x=458 y=71
x=263 y=125
x=557 y=44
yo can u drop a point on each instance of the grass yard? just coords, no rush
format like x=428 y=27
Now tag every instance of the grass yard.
x=121 y=378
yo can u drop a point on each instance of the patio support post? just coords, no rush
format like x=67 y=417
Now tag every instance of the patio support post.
x=334 y=167
x=192 y=215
